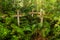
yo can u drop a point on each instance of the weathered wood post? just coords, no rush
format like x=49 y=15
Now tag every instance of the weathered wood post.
x=18 y=17
x=32 y=12
x=41 y=16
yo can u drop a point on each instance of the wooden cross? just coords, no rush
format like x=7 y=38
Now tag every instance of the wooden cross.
x=18 y=17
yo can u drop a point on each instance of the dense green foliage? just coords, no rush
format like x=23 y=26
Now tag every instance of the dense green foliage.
x=30 y=27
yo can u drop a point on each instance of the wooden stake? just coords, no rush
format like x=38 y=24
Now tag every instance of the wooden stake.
x=18 y=20
x=32 y=12
x=41 y=17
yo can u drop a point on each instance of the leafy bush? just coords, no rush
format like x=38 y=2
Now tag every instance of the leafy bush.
x=30 y=27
